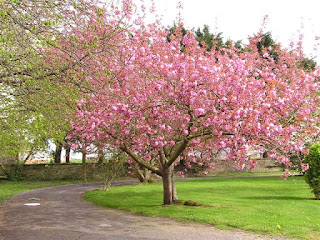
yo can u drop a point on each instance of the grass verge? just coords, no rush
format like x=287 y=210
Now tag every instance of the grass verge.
x=266 y=205
x=10 y=188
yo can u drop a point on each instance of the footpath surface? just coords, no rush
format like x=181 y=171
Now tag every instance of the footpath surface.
x=64 y=214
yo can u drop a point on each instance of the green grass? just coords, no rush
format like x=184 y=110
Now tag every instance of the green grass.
x=265 y=205
x=236 y=174
x=9 y=188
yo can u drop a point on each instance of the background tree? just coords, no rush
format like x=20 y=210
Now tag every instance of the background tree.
x=35 y=98
x=207 y=39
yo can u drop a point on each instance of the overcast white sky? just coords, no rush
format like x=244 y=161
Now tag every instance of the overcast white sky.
x=239 y=19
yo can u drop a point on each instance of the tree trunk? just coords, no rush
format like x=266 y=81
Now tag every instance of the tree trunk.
x=84 y=166
x=147 y=175
x=144 y=175
x=106 y=185
x=68 y=150
x=57 y=155
x=100 y=156
x=169 y=190
x=140 y=175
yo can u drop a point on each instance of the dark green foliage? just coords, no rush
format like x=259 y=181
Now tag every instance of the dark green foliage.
x=266 y=43
x=13 y=172
x=173 y=29
x=312 y=175
x=205 y=38
x=172 y=32
x=307 y=64
x=209 y=39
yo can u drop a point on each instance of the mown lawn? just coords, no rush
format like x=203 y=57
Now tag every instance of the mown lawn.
x=265 y=205
x=9 y=188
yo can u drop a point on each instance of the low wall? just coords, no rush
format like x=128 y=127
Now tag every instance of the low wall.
x=74 y=171
x=264 y=165
x=60 y=172
x=224 y=167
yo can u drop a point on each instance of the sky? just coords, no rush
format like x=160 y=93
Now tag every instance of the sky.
x=238 y=19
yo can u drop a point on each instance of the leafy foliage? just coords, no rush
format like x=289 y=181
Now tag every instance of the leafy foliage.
x=35 y=100
x=312 y=175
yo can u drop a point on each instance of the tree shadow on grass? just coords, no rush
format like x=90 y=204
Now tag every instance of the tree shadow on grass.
x=277 y=198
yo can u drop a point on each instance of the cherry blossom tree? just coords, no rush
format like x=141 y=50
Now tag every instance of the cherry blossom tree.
x=157 y=103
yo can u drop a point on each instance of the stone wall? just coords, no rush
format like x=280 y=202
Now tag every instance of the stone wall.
x=59 y=172
x=264 y=165
x=224 y=167
x=73 y=171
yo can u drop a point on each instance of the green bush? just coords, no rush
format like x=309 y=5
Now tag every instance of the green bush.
x=13 y=172
x=312 y=175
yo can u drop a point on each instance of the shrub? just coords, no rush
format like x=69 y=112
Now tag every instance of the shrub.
x=312 y=175
x=111 y=169
x=12 y=172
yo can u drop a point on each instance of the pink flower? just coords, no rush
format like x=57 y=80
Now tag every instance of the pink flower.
x=285 y=161
x=162 y=126
x=253 y=163
x=222 y=144
x=241 y=165
x=199 y=111
x=285 y=175
x=196 y=140
x=304 y=166
x=126 y=132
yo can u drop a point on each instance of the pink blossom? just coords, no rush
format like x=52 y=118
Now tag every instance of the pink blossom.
x=241 y=165
x=285 y=175
x=304 y=166
x=199 y=111
x=253 y=163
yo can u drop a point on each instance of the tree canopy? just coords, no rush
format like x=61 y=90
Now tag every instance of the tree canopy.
x=156 y=102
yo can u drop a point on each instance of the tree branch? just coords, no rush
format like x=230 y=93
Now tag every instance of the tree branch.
x=139 y=160
x=177 y=150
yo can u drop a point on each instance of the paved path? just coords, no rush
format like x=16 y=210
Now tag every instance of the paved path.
x=64 y=214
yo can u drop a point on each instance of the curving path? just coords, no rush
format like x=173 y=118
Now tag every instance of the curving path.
x=64 y=214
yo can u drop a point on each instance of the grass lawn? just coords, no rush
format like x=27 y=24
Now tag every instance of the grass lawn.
x=265 y=205
x=9 y=188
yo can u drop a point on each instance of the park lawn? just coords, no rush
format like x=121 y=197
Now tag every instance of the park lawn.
x=10 y=188
x=265 y=204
